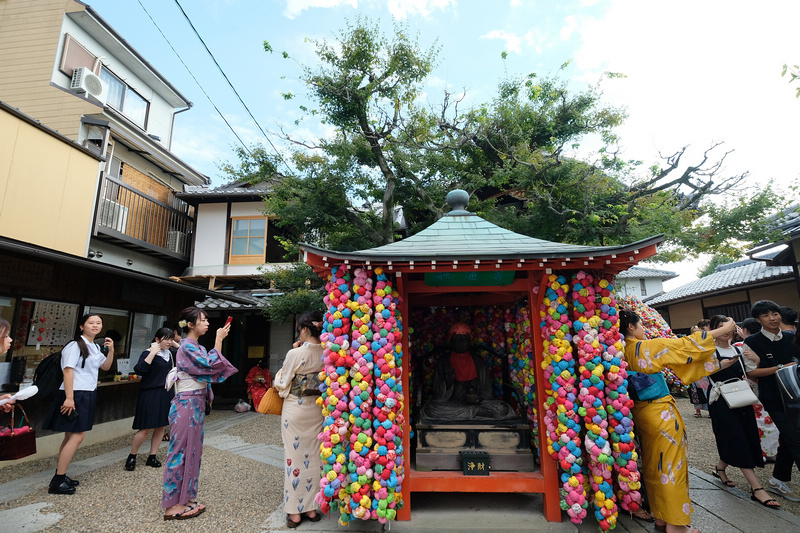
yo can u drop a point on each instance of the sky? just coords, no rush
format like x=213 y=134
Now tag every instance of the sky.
x=696 y=72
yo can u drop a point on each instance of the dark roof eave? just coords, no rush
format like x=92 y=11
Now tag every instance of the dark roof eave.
x=81 y=262
x=599 y=251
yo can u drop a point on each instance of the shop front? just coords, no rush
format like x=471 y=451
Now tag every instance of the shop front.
x=389 y=433
x=43 y=294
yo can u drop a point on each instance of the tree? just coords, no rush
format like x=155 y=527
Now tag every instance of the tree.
x=711 y=266
x=300 y=290
x=517 y=155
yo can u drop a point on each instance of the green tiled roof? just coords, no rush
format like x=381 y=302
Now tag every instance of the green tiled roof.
x=462 y=235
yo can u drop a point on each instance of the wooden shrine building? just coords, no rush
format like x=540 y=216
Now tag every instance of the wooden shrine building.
x=460 y=262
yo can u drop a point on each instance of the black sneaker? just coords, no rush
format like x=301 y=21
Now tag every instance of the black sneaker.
x=62 y=488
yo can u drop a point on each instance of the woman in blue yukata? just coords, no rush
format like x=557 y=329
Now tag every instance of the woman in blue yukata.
x=195 y=370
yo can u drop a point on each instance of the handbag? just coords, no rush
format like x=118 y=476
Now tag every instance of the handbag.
x=737 y=392
x=271 y=403
x=16 y=443
x=647 y=386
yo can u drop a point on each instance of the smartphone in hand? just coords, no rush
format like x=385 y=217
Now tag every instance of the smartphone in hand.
x=227 y=322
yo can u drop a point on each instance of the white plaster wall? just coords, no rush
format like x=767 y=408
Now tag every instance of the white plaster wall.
x=209 y=246
x=247 y=209
x=159 y=118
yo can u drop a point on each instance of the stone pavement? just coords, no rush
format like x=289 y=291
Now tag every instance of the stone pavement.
x=717 y=509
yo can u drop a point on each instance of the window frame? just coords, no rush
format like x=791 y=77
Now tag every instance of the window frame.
x=248 y=259
x=124 y=98
x=643 y=286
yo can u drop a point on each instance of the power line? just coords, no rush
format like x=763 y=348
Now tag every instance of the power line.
x=195 y=79
x=231 y=85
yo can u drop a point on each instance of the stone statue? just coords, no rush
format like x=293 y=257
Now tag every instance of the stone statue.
x=462 y=388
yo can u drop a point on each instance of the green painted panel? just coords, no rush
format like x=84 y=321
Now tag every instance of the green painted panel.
x=469 y=279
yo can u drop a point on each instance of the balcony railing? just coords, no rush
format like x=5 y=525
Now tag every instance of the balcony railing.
x=139 y=219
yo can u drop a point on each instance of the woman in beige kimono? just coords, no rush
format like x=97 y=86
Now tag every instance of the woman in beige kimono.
x=658 y=423
x=298 y=383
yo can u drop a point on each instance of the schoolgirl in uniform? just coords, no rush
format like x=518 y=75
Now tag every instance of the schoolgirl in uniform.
x=72 y=410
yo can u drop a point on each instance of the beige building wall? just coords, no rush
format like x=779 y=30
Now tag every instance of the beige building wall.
x=29 y=41
x=47 y=188
x=685 y=315
x=783 y=294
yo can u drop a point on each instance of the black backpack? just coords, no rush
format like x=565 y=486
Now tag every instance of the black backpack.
x=49 y=376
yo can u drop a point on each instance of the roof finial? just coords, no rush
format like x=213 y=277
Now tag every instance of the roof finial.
x=458 y=199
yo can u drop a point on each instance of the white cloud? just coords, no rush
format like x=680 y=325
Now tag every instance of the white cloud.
x=512 y=40
x=569 y=27
x=296 y=7
x=698 y=72
x=401 y=9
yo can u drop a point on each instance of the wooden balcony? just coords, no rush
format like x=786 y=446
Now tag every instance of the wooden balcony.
x=136 y=220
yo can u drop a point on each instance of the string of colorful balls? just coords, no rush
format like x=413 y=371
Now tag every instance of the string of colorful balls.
x=591 y=398
x=617 y=402
x=561 y=419
x=362 y=398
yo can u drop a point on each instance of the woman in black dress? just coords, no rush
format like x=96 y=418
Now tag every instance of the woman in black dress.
x=152 y=406
x=735 y=430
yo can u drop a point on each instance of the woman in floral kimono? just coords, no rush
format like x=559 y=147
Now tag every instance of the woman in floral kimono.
x=298 y=383
x=657 y=421
x=195 y=370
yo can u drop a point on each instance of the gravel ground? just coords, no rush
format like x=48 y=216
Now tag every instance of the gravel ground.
x=240 y=493
x=703 y=456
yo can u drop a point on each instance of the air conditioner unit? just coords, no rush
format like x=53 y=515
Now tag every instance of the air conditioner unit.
x=112 y=215
x=84 y=81
x=176 y=241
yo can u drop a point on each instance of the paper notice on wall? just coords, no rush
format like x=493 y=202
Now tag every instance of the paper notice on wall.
x=124 y=366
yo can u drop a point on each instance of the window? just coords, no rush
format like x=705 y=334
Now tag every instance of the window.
x=248 y=240
x=122 y=98
x=643 y=286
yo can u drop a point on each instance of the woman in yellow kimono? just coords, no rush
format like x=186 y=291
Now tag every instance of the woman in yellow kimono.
x=657 y=422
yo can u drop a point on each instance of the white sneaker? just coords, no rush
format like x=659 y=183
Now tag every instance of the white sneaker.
x=780 y=488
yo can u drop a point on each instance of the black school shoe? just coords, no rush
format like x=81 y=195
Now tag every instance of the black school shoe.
x=152 y=461
x=71 y=482
x=61 y=488
x=130 y=463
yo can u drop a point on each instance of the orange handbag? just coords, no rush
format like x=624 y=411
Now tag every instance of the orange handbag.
x=271 y=403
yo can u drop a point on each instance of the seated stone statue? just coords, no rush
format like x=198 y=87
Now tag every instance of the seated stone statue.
x=462 y=388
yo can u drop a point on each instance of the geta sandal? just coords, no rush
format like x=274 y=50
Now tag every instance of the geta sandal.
x=765 y=503
x=644 y=515
x=726 y=482
x=317 y=517
x=185 y=514
x=698 y=415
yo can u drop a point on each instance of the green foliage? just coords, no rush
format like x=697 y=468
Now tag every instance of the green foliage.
x=794 y=75
x=713 y=263
x=514 y=154
x=255 y=165
x=302 y=291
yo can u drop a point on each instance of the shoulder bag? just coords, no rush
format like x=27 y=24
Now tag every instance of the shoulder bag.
x=789 y=386
x=737 y=392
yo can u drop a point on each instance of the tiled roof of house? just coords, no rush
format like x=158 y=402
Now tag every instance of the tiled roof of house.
x=726 y=278
x=639 y=272
x=257 y=301
x=235 y=189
